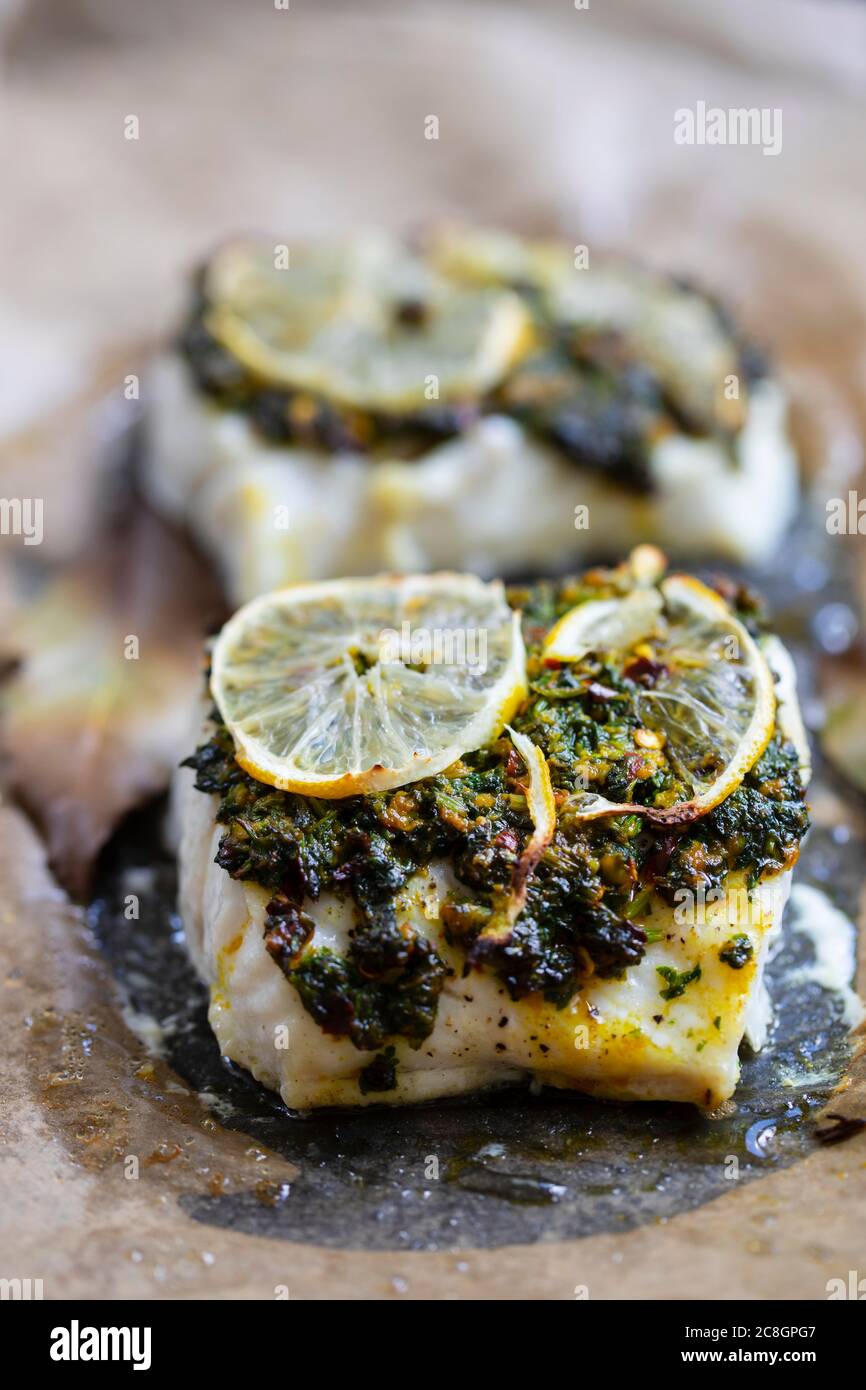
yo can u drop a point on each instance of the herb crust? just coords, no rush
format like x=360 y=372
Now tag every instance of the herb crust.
x=593 y=881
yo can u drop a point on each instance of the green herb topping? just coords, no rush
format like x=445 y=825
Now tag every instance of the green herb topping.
x=592 y=880
x=677 y=980
x=737 y=951
x=583 y=390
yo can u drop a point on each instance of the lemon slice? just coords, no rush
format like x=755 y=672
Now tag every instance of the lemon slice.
x=610 y=625
x=542 y=809
x=670 y=328
x=364 y=324
x=712 y=703
x=358 y=685
x=539 y=794
x=478 y=256
x=605 y=625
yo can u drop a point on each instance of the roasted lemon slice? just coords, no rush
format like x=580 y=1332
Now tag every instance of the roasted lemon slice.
x=605 y=625
x=478 y=256
x=363 y=324
x=613 y=624
x=711 y=704
x=357 y=685
x=667 y=327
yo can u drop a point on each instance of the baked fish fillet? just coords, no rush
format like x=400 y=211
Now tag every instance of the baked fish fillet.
x=668 y=1028
x=628 y=411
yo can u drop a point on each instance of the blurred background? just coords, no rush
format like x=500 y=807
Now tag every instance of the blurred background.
x=295 y=117
x=311 y=118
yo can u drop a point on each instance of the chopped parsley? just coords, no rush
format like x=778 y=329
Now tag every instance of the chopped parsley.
x=677 y=980
x=737 y=952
